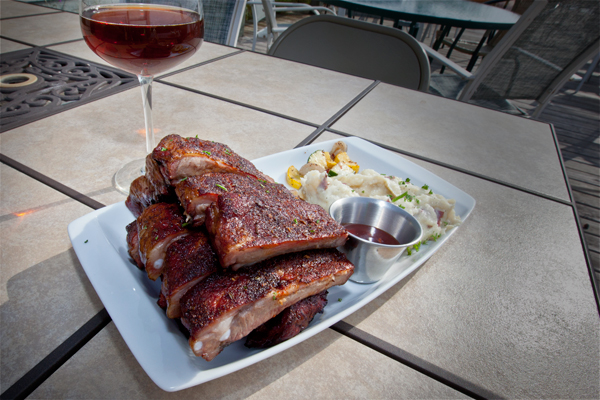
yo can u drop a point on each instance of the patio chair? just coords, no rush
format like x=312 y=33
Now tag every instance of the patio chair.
x=223 y=19
x=356 y=47
x=548 y=44
x=267 y=10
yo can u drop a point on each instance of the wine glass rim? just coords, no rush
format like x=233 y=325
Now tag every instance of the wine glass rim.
x=87 y=4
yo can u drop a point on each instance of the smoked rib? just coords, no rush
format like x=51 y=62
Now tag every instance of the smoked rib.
x=187 y=262
x=246 y=228
x=227 y=306
x=287 y=323
x=178 y=158
x=159 y=226
x=198 y=192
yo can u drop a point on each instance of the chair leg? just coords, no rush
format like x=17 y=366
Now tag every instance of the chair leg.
x=589 y=72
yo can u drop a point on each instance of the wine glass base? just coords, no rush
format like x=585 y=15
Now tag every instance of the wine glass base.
x=127 y=174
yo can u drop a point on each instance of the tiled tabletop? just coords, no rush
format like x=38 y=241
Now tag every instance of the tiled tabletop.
x=505 y=308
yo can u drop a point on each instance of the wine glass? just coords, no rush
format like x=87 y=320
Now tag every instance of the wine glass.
x=145 y=39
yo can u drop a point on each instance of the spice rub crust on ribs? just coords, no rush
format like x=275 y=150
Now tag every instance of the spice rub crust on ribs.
x=198 y=192
x=247 y=227
x=227 y=306
x=133 y=244
x=159 y=226
x=188 y=261
x=178 y=158
x=287 y=323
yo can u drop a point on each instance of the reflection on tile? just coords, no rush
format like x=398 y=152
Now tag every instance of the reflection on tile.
x=309 y=93
x=491 y=143
x=7 y=46
x=99 y=137
x=20 y=193
x=9 y=9
x=325 y=366
x=43 y=29
x=44 y=294
x=33 y=224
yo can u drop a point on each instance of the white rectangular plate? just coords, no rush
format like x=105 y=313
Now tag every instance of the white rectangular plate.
x=156 y=342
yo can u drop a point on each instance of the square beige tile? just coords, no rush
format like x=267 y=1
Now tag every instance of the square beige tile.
x=506 y=303
x=43 y=29
x=84 y=147
x=505 y=147
x=326 y=366
x=7 y=46
x=10 y=9
x=300 y=91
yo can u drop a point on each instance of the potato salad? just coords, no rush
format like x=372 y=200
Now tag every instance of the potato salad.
x=328 y=176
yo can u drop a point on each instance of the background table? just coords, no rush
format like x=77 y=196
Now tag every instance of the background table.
x=505 y=308
x=458 y=13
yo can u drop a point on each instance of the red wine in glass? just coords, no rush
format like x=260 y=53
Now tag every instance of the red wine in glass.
x=142 y=39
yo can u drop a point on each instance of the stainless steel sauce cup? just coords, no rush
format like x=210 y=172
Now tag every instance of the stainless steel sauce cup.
x=372 y=260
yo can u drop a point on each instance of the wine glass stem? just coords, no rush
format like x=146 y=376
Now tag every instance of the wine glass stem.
x=146 y=85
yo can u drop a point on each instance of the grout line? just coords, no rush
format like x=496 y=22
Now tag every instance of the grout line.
x=459 y=169
x=65 y=42
x=53 y=361
x=426 y=368
x=18 y=41
x=30 y=15
x=75 y=195
x=310 y=138
x=238 y=103
x=169 y=74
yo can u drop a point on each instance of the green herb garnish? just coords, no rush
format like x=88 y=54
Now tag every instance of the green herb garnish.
x=221 y=186
x=85 y=241
x=332 y=173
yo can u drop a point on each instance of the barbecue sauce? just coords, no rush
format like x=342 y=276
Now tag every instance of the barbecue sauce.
x=371 y=234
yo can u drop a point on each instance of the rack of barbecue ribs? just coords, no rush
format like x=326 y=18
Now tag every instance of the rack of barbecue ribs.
x=238 y=255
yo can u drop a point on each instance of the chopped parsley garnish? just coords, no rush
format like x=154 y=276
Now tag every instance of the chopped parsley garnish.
x=274 y=297
x=332 y=173
x=227 y=151
x=196 y=136
x=186 y=224
x=295 y=221
x=206 y=152
x=407 y=179
x=183 y=179
x=221 y=186
x=425 y=187
x=163 y=149
x=430 y=192
x=339 y=299
x=85 y=241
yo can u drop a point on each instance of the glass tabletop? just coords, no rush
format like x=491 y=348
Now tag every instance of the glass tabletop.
x=460 y=13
